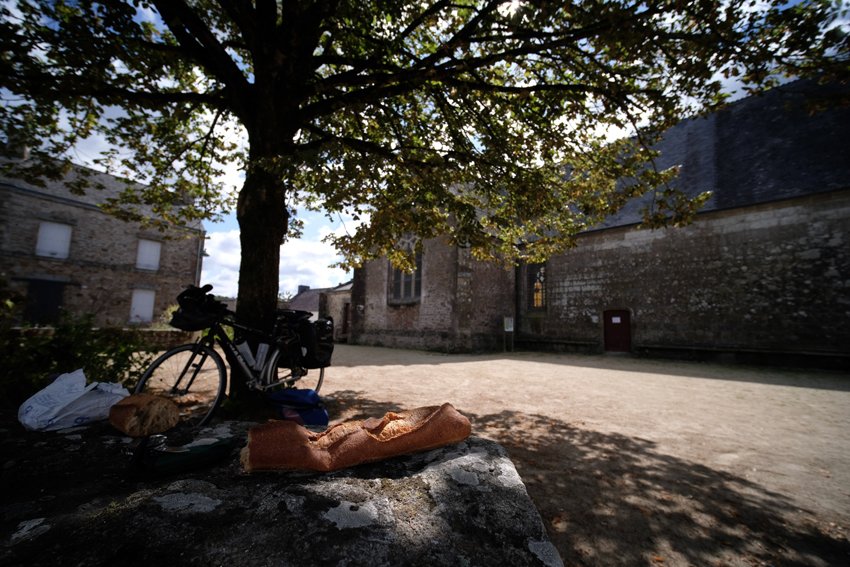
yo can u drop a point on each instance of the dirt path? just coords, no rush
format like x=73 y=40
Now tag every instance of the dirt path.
x=640 y=462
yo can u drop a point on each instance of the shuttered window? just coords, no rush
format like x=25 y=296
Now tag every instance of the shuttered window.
x=147 y=256
x=141 y=309
x=54 y=240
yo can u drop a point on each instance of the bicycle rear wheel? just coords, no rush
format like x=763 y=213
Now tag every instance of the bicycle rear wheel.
x=192 y=376
x=294 y=377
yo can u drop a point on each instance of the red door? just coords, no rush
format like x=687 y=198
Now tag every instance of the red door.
x=618 y=330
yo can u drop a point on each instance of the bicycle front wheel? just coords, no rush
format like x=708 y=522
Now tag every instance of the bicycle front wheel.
x=192 y=376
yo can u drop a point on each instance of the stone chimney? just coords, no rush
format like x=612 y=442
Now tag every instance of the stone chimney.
x=15 y=151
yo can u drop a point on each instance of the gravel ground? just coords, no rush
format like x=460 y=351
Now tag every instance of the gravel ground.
x=643 y=462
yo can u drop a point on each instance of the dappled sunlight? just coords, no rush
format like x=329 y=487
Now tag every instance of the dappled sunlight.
x=614 y=499
x=652 y=507
x=639 y=468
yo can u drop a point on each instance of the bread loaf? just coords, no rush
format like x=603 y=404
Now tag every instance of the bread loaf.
x=285 y=445
x=140 y=415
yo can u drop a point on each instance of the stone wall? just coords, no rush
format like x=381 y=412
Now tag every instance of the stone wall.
x=773 y=277
x=492 y=298
x=460 y=309
x=100 y=274
x=338 y=306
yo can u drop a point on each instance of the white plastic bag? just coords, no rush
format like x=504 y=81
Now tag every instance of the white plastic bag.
x=68 y=402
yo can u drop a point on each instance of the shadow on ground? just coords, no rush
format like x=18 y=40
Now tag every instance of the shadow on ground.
x=348 y=405
x=610 y=499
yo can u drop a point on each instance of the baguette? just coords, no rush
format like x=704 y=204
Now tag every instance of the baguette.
x=285 y=445
x=140 y=415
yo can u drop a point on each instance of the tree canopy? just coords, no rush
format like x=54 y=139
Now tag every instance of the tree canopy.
x=487 y=121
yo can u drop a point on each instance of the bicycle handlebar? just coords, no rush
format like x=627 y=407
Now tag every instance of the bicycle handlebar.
x=198 y=305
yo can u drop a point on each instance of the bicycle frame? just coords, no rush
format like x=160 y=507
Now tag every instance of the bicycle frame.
x=257 y=378
x=196 y=376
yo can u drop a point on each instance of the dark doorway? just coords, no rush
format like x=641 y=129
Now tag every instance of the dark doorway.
x=44 y=300
x=346 y=317
x=618 y=330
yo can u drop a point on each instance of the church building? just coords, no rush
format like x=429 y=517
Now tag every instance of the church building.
x=762 y=274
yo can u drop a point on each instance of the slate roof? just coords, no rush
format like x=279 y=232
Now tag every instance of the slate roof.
x=308 y=300
x=757 y=150
x=58 y=189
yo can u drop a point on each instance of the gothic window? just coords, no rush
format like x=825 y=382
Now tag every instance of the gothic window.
x=537 y=286
x=406 y=287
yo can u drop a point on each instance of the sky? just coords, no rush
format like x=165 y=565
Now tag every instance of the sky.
x=305 y=261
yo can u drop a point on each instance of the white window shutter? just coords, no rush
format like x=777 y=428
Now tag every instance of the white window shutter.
x=147 y=257
x=54 y=240
x=141 y=310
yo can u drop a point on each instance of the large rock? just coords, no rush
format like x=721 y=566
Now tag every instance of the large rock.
x=459 y=505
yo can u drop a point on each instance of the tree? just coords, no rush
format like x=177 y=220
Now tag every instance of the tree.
x=484 y=120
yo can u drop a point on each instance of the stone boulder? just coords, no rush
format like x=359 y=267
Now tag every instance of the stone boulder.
x=460 y=505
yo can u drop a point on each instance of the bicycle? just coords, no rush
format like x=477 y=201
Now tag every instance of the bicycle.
x=194 y=375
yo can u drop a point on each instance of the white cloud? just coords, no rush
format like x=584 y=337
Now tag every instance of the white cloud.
x=303 y=262
x=221 y=264
x=306 y=262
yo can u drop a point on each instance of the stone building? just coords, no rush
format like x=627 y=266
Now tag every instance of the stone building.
x=338 y=306
x=333 y=302
x=763 y=273
x=451 y=303
x=61 y=252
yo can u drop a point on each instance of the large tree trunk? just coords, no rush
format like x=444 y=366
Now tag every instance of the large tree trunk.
x=263 y=223
x=261 y=209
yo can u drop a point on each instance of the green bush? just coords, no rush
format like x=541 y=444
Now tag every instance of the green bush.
x=32 y=357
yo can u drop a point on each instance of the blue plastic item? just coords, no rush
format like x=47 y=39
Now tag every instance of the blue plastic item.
x=302 y=406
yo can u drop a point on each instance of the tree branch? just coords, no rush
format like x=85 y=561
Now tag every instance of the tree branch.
x=46 y=84
x=194 y=35
x=241 y=12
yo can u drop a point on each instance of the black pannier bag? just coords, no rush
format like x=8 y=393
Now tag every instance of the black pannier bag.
x=313 y=346
x=318 y=339
x=197 y=310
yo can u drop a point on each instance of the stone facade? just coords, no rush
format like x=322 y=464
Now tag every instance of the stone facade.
x=461 y=307
x=333 y=302
x=337 y=305
x=768 y=278
x=102 y=269
x=762 y=274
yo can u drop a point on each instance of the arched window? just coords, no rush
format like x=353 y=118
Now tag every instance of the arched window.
x=536 y=286
x=406 y=287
